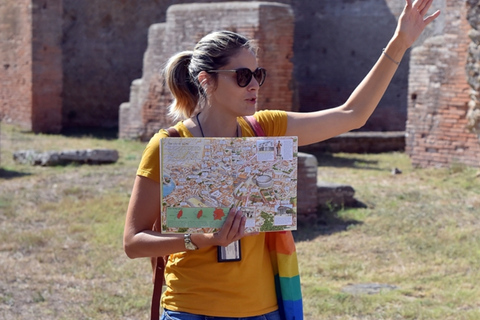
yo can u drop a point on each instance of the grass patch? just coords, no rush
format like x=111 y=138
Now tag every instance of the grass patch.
x=419 y=232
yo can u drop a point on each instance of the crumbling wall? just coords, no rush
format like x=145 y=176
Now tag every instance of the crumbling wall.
x=473 y=66
x=87 y=54
x=16 y=61
x=31 y=70
x=336 y=44
x=437 y=133
x=271 y=24
x=103 y=44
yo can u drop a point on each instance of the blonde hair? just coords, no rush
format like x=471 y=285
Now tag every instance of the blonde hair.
x=181 y=72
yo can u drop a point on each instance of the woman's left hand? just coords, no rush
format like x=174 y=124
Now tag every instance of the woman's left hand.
x=412 y=21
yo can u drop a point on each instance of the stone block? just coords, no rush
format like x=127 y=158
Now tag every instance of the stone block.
x=53 y=158
x=334 y=195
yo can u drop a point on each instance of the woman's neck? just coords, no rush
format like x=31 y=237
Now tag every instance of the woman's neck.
x=213 y=125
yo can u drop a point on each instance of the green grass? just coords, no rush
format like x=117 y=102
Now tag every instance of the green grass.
x=61 y=238
x=419 y=233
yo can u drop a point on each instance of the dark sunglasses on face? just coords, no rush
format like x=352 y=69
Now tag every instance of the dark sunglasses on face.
x=244 y=75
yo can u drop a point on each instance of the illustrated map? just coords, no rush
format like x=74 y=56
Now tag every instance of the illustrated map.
x=202 y=178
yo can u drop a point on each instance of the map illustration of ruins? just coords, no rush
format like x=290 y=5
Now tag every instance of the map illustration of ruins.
x=204 y=177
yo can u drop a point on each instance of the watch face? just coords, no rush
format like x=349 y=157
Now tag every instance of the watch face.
x=188 y=243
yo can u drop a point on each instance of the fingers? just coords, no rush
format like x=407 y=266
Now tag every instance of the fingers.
x=233 y=228
x=421 y=6
x=432 y=17
x=424 y=6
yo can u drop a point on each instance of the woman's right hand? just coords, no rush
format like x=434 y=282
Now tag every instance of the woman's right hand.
x=233 y=229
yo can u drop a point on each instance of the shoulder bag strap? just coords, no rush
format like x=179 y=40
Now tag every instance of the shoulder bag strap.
x=159 y=265
x=172 y=132
x=157 y=287
x=256 y=127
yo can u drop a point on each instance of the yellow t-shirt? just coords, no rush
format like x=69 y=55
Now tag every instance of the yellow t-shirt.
x=196 y=282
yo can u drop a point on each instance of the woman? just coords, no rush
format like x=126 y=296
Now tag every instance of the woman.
x=214 y=86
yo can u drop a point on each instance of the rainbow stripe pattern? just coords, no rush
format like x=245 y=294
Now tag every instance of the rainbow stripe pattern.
x=287 y=278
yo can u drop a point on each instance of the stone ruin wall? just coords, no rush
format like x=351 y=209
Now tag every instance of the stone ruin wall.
x=31 y=68
x=15 y=75
x=270 y=24
x=473 y=66
x=99 y=46
x=71 y=63
x=329 y=56
x=438 y=132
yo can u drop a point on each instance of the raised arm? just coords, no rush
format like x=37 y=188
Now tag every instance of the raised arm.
x=317 y=126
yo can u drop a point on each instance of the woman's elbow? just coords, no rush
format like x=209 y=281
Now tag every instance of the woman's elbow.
x=358 y=123
x=129 y=248
x=357 y=120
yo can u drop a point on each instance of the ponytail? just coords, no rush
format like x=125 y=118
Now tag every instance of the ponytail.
x=182 y=86
x=212 y=52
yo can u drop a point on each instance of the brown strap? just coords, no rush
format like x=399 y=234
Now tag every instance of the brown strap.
x=172 y=132
x=157 y=288
x=159 y=265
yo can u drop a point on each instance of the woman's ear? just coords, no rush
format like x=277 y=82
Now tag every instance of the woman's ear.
x=204 y=79
x=207 y=81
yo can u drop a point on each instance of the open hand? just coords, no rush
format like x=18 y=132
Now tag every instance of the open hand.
x=412 y=21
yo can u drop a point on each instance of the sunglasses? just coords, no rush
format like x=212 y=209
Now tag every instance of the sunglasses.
x=244 y=75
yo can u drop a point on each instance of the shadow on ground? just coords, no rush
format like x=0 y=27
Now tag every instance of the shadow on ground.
x=9 y=174
x=327 y=223
x=91 y=132
x=326 y=159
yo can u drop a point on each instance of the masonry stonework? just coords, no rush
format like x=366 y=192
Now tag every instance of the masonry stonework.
x=473 y=66
x=437 y=133
x=102 y=44
x=30 y=75
x=16 y=61
x=46 y=66
x=66 y=63
x=270 y=24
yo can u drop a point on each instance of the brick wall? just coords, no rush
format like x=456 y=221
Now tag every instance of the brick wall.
x=16 y=62
x=437 y=133
x=103 y=42
x=336 y=44
x=47 y=71
x=271 y=24
x=103 y=46
x=31 y=72
x=473 y=66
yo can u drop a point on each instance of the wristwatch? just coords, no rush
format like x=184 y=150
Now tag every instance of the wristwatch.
x=189 y=245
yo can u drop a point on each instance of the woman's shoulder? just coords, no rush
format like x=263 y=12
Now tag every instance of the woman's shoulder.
x=273 y=122
x=163 y=133
x=270 y=114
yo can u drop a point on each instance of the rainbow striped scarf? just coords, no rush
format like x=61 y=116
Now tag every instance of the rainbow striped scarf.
x=287 y=279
